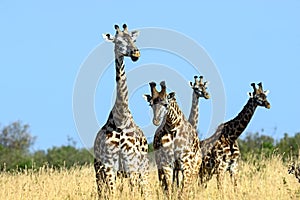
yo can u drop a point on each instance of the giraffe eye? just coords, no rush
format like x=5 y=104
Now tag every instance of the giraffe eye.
x=150 y=103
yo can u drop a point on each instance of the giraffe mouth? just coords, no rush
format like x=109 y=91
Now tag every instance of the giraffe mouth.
x=268 y=105
x=206 y=96
x=156 y=122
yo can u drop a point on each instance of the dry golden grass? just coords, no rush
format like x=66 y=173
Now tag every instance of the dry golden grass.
x=267 y=179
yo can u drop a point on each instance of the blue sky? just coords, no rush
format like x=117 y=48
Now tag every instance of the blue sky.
x=43 y=45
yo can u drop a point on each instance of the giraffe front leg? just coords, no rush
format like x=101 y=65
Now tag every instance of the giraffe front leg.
x=144 y=177
x=187 y=179
x=105 y=179
x=167 y=172
x=220 y=175
x=139 y=179
x=160 y=175
x=111 y=180
x=206 y=171
x=100 y=176
x=234 y=175
x=176 y=176
x=203 y=176
x=234 y=180
x=221 y=169
x=133 y=181
x=185 y=165
x=145 y=186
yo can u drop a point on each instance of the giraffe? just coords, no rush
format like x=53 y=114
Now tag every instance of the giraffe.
x=199 y=91
x=295 y=169
x=120 y=145
x=176 y=142
x=220 y=151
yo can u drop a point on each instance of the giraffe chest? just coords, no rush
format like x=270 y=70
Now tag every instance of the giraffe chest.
x=175 y=138
x=118 y=136
x=127 y=133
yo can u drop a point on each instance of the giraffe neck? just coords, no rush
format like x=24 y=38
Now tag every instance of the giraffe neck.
x=194 y=113
x=121 y=109
x=174 y=115
x=239 y=123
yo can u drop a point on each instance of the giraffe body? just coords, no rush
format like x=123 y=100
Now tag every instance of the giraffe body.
x=120 y=146
x=219 y=155
x=176 y=142
x=221 y=151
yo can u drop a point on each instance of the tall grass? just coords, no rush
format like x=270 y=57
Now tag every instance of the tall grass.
x=264 y=179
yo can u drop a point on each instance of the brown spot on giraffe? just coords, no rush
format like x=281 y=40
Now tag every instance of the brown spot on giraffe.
x=131 y=140
x=109 y=135
x=129 y=134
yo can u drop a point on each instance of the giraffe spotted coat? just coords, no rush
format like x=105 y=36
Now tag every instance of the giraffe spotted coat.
x=176 y=143
x=120 y=146
x=221 y=151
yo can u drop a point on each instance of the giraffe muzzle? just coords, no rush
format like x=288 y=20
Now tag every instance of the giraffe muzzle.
x=156 y=122
x=206 y=96
x=135 y=55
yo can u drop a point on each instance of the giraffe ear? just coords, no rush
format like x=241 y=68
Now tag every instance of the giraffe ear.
x=266 y=92
x=147 y=97
x=134 y=35
x=250 y=94
x=107 y=37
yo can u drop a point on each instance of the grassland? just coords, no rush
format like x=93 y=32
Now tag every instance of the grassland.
x=266 y=179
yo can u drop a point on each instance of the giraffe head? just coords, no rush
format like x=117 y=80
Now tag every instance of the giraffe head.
x=292 y=168
x=124 y=42
x=259 y=95
x=159 y=101
x=200 y=87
